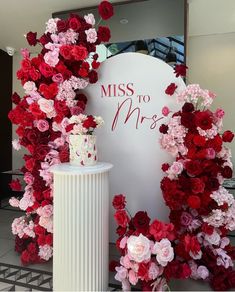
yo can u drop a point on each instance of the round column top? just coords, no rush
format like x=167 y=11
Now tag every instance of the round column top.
x=69 y=169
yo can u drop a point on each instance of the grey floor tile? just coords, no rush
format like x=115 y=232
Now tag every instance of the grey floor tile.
x=6 y=245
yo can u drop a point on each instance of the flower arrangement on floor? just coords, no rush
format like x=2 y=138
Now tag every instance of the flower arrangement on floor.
x=201 y=209
x=52 y=82
x=146 y=249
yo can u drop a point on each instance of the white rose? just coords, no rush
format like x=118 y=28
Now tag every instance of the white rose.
x=138 y=248
x=164 y=252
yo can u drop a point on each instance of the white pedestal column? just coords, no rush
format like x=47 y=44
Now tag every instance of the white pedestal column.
x=81 y=224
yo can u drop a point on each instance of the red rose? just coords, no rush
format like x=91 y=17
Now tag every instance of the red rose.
x=194 y=202
x=66 y=52
x=121 y=218
x=15 y=185
x=141 y=221
x=64 y=154
x=204 y=120
x=188 y=107
x=105 y=10
x=93 y=76
x=38 y=229
x=180 y=70
x=32 y=248
x=60 y=106
x=89 y=122
x=79 y=53
x=34 y=74
x=32 y=135
x=112 y=265
x=163 y=129
x=143 y=271
x=61 y=25
x=191 y=244
x=49 y=239
x=25 y=257
x=103 y=34
x=121 y=230
x=41 y=239
x=41 y=151
x=208 y=229
x=119 y=202
x=29 y=164
x=165 y=166
x=44 y=39
x=36 y=112
x=188 y=120
x=82 y=97
x=95 y=65
x=228 y=136
x=215 y=143
x=199 y=140
x=227 y=172
x=49 y=91
x=74 y=23
x=193 y=167
x=15 y=98
x=46 y=70
x=32 y=38
x=161 y=230
x=170 y=90
x=26 y=65
x=198 y=185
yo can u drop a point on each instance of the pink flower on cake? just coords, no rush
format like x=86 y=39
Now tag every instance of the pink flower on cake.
x=91 y=35
x=164 y=252
x=165 y=111
x=138 y=248
x=90 y=19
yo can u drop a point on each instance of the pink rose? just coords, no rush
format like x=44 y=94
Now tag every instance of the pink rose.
x=123 y=242
x=28 y=178
x=16 y=144
x=58 y=78
x=47 y=106
x=154 y=271
x=138 y=248
x=52 y=57
x=42 y=125
x=91 y=35
x=90 y=19
x=165 y=111
x=125 y=262
x=186 y=219
x=133 y=277
x=164 y=252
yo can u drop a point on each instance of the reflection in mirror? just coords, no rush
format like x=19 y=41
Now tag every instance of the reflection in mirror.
x=153 y=27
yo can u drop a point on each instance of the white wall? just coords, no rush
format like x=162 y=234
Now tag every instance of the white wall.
x=211 y=62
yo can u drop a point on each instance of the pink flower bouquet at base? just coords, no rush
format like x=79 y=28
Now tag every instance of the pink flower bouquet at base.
x=146 y=250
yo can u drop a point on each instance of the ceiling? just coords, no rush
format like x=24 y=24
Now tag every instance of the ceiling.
x=17 y=17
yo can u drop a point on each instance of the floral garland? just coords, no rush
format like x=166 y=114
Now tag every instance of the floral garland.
x=201 y=209
x=52 y=82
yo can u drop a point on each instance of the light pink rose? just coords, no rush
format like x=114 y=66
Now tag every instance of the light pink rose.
x=126 y=285
x=90 y=19
x=91 y=35
x=47 y=106
x=165 y=111
x=125 y=262
x=76 y=110
x=121 y=273
x=164 y=252
x=202 y=272
x=175 y=169
x=52 y=57
x=219 y=113
x=47 y=223
x=29 y=229
x=186 y=219
x=138 y=248
x=58 y=78
x=42 y=125
x=14 y=202
x=214 y=238
x=29 y=87
x=133 y=277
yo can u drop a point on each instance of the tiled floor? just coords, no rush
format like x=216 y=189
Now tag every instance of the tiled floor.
x=9 y=256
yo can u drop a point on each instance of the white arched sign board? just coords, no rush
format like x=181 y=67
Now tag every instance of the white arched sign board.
x=130 y=95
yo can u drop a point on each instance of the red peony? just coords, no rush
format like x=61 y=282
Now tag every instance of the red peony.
x=170 y=90
x=105 y=9
x=180 y=70
x=204 y=120
x=194 y=202
x=228 y=136
x=119 y=202
x=141 y=221
x=121 y=218
x=103 y=34
x=32 y=38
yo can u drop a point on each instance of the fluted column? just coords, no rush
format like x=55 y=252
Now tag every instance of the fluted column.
x=81 y=224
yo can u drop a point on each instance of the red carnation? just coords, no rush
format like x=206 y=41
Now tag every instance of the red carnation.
x=15 y=185
x=103 y=34
x=32 y=38
x=141 y=221
x=204 y=120
x=170 y=90
x=180 y=70
x=25 y=257
x=121 y=218
x=143 y=271
x=228 y=136
x=119 y=202
x=161 y=230
x=105 y=9
x=194 y=202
